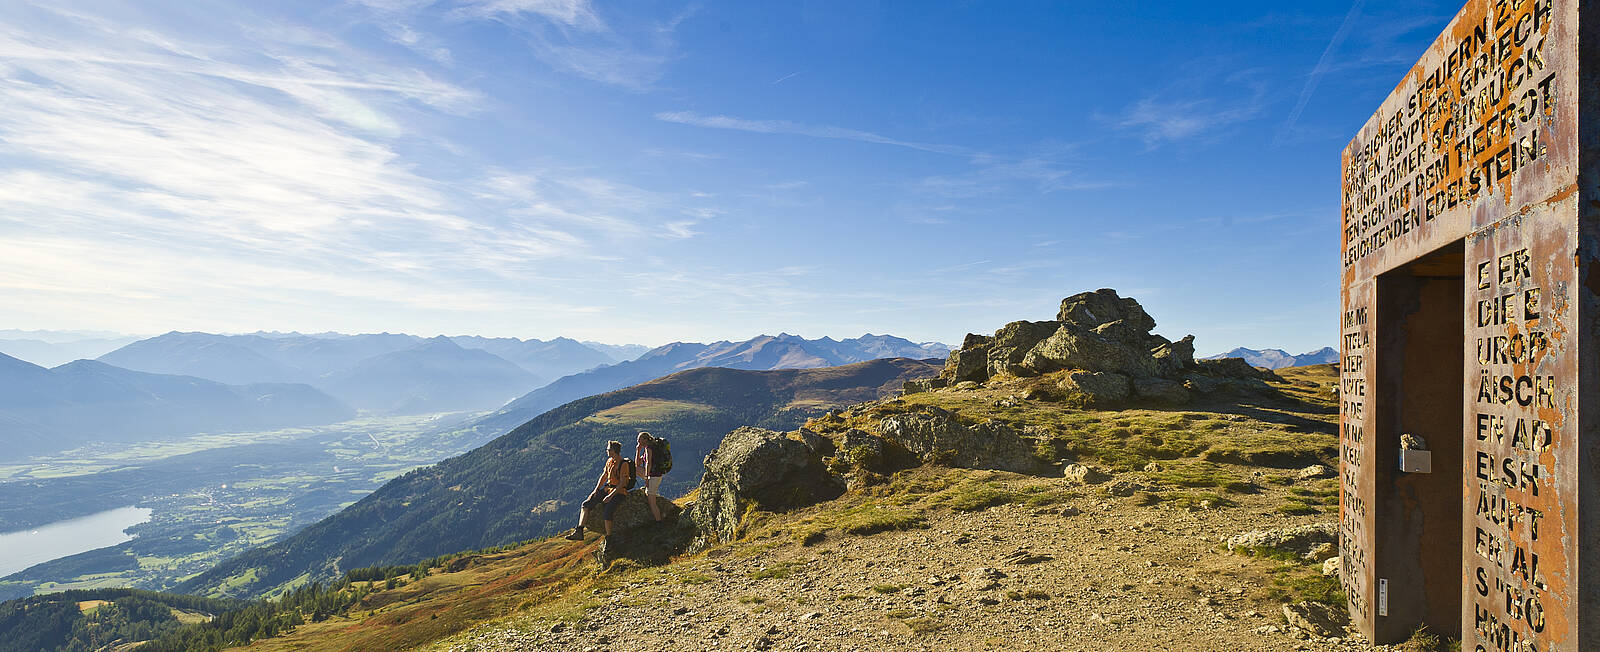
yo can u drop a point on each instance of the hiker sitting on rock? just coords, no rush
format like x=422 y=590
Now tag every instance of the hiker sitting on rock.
x=608 y=492
x=650 y=469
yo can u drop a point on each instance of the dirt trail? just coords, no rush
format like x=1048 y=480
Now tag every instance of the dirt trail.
x=1114 y=576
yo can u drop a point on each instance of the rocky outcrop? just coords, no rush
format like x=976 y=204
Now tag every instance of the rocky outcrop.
x=633 y=513
x=1108 y=337
x=1161 y=390
x=821 y=446
x=1235 y=368
x=635 y=534
x=1175 y=358
x=1098 y=388
x=1071 y=347
x=755 y=468
x=1012 y=343
x=967 y=364
x=924 y=385
x=935 y=435
x=854 y=438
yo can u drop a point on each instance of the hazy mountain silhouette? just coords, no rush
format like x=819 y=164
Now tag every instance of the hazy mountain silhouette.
x=232 y=359
x=618 y=352
x=44 y=410
x=1279 y=358
x=369 y=371
x=782 y=351
x=46 y=353
x=435 y=376
x=547 y=359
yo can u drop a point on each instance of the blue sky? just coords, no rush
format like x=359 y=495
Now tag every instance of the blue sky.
x=658 y=171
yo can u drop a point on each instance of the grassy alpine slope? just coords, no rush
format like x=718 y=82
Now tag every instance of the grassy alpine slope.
x=890 y=565
x=527 y=482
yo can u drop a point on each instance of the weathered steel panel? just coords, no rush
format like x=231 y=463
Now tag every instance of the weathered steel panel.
x=1480 y=144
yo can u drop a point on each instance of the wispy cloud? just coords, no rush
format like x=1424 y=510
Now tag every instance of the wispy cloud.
x=987 y=173
x=799 y=129
x=1323 y=64
x=626 y=50
x=1193 y=109
x=578 y=14
x=246 y=168
x=1159 y=120
x=991 y=175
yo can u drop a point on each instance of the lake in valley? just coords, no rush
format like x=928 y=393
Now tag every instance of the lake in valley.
x=24 y=548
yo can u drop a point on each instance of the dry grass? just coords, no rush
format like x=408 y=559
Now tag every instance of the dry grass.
x=1293 y=430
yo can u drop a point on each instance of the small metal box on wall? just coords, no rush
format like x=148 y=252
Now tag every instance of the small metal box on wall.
x=1415 y=461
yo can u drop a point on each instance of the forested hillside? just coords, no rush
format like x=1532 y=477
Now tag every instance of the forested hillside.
x=99 y=620
x=528 y=482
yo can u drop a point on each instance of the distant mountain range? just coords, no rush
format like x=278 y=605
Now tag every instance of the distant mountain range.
x=405 y=374
x=47 y=351
x=383 y=372
x=622 y=352
x=782 y=351
x=527 y=482
x=437 y=375
x=183 y=383
x=46 y=410
x=1278 y=358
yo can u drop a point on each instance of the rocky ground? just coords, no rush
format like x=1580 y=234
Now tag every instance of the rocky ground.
x=1091 y=573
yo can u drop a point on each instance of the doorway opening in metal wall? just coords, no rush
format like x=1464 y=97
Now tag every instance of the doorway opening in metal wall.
x=1421 y=325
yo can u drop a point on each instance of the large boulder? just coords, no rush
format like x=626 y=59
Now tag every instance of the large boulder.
x=936 y=436
x=636 y=535
x=755 y=468
x=1235 y=368
x=1127 y=335
x=1098 y=388
x=633 y=513
x=820 y=446
x=967 y=364
x=1175 y=357
x=1103 y=306
x=1071 y=347
x=1013 y=342
x=1161 y=390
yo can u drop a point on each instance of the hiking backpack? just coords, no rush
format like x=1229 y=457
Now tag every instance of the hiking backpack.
x=661 y=454
x=633 y=474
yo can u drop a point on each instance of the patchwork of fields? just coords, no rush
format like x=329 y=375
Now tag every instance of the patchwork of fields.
x=213 y=496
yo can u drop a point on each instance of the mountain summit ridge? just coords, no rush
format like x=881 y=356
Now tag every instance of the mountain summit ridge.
x=47 y=410
x=762 y=352
x=1279 y=358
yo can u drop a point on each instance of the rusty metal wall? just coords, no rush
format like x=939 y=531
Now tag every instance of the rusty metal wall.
x=1480 y=142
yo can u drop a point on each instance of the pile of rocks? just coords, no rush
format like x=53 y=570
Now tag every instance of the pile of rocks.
x=1104 y=342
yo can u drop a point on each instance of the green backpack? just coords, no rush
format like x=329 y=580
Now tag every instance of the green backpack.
x=661 y=454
